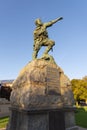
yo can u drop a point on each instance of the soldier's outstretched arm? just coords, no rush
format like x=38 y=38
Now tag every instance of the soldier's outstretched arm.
x=53 y=21
x=56 y=20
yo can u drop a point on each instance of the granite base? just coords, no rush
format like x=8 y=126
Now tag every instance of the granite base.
x=57 y=119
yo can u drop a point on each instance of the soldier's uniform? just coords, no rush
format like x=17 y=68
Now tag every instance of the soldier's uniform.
x=41 y=39
x=41 y=36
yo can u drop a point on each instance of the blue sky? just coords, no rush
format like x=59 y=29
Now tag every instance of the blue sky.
x=16 y=34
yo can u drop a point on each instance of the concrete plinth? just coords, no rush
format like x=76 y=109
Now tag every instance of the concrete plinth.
x=56 y=119
x=36 y=120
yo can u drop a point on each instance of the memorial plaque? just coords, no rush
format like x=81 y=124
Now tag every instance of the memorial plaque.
x=53 y=85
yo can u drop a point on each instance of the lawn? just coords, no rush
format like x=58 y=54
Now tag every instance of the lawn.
x=81 y=117
x=3 y=122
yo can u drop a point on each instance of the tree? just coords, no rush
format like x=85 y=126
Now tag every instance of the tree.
x=79 y=88
x=5 y=92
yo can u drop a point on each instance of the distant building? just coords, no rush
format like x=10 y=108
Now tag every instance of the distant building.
x=6 y=83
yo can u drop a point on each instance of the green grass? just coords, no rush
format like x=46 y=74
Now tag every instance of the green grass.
x=3 y=122
x=81 y=117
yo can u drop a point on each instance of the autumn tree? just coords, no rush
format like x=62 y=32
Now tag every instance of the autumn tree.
x=79 y=88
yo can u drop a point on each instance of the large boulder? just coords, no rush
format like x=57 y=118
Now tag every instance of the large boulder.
x=41 y=85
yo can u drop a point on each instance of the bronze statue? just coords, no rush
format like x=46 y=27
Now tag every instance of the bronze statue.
x=41 y=37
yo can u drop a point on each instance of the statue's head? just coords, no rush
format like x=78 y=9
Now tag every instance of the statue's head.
x=38 y=22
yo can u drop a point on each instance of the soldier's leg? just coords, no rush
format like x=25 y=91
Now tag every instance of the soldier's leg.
x=35 y=53
x=49 y=45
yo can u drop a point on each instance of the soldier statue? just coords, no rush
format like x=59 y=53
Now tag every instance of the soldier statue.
x=41 y=36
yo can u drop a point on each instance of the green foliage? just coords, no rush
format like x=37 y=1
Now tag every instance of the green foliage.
x=3 y=122
x=81 y=117
x=79 y=88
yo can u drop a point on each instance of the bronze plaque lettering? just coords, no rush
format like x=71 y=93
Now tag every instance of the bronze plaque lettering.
x=53 y=85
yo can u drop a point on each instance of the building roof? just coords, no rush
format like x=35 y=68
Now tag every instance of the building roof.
x=6 y=81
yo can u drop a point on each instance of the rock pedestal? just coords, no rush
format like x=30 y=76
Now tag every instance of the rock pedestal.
x=42 y=99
